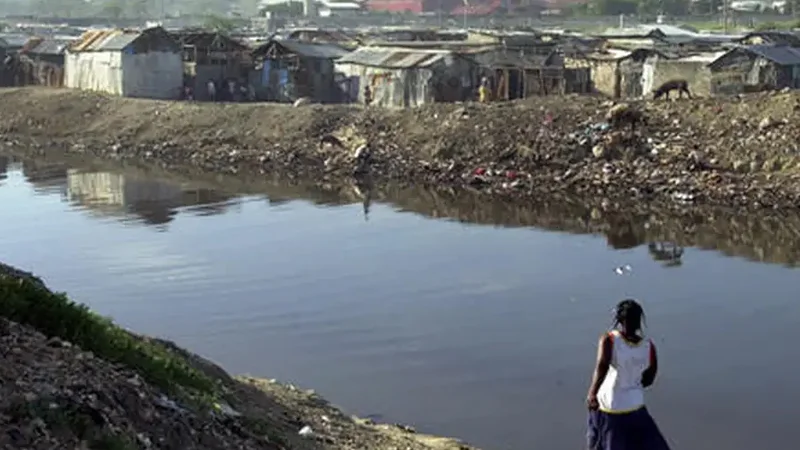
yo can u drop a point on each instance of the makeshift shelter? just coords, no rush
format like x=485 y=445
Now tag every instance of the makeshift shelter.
x=210 y=56
x=516 y=74
x=693 y=69
x=756 y=67
x=43 y=59
x=287 y=70
x=770 y=37
x=406 y=77
x=626 y=74
x=5 y=73
x=144 y=64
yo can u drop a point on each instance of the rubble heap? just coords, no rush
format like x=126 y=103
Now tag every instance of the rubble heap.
x=738 y=151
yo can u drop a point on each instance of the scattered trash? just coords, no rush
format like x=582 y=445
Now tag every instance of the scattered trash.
x=302 y=101
x=226 y=410
x=621 y=270
x=306 y=431
x=740 y=150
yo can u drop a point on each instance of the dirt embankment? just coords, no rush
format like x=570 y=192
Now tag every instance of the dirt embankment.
x=740 y=151
x=70 y=379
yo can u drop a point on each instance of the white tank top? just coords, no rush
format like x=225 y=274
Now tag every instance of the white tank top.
x=622 y=389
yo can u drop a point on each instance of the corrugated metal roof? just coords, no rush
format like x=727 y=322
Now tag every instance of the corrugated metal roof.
x=774 y=37
x=497 y=59
x=14 y=40
x=610 y=54
x=394 y=58
x=104 y=40
x=702 y=57
x=48 y=46
x=309 y=50
x=782 y=55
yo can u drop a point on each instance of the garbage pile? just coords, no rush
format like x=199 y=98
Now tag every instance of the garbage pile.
x=55 y=396
x=739 y=151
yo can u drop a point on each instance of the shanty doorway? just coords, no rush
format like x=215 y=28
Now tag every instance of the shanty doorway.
x=516 y=84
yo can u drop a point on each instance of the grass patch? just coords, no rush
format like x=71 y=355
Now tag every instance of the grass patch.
x=30 y=303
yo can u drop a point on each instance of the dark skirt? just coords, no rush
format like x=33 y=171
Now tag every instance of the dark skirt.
x=635 y=430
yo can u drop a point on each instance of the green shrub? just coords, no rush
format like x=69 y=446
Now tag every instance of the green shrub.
x=31 y=303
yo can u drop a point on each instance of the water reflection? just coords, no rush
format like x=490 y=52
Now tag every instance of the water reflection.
x=772 y=237
x=668 y=253
x=429 y=321
x=149 y=201
x=46 y=177
x=4 y=163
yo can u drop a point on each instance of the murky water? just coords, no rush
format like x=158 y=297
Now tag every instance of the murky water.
x=482 y=332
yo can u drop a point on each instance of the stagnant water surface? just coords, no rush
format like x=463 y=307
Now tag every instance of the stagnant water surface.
x=480 y=332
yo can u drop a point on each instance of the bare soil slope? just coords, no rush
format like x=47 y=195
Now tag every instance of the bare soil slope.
x=740 y=151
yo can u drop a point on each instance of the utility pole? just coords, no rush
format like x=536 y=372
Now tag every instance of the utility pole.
x=725 y=15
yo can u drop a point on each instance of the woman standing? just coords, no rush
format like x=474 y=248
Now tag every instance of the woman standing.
x=626 y=365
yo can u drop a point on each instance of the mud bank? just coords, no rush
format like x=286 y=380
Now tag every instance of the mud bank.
x=740 y=152
x=71 y=379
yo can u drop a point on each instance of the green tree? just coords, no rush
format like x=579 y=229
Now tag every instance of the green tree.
x=613 y=7
x=219 y=23
x=703 y=7
x=112 y=9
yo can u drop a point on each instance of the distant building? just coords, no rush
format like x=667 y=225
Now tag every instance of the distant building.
x=403 y=6
x=339 y=8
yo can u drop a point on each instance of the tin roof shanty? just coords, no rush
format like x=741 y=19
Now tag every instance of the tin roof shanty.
x=303 y=49
x=394 y=58
x=118 y=39
x=104 y=40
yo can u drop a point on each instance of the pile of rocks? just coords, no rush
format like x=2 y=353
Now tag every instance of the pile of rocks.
x=55 y=396
x=738 y=151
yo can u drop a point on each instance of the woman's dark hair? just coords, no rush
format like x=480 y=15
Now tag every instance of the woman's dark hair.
x=630 y=315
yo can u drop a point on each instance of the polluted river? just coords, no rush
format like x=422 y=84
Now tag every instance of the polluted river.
x=420 y=309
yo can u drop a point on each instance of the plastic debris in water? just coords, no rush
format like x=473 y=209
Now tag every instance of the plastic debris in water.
x=306 y=431
x=621 y=270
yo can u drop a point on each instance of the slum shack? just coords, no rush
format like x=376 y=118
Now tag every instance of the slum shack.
x=770 y=37
x=755 y=68
x=5 y=72
x=625 y=74
x=130 y=63
x=515 y=74
x=210 y=56
x=406 y=77
x=13 y=42
x=692 y=68
x=321 y=36
x=43 y=59
x=287 y=70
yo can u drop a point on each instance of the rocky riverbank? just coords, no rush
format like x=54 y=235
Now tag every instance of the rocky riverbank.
x=740 y=151
x=71 y=379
